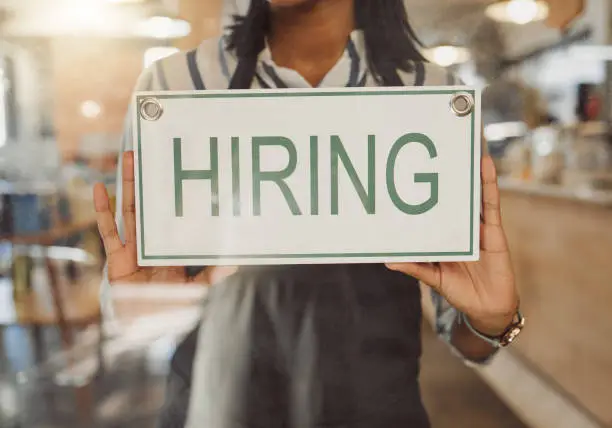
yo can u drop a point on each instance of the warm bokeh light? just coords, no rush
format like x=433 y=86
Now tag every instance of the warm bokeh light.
x=91 y=109
x=163 y=27
x=447 y=55
x=82 y=15
x=518 y=11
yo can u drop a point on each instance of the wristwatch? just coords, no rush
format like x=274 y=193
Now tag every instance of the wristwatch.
x=506 y=338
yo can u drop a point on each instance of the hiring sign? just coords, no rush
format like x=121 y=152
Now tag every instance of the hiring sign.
x=307 y=176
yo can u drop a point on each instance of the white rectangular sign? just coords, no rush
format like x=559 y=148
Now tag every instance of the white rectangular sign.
x=307 y=176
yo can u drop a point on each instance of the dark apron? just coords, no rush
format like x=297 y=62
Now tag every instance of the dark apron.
x=308 y=346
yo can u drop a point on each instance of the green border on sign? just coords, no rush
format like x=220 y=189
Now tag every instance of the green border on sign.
x=470 y=252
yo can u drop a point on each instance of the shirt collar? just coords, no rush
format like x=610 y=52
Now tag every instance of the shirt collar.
x=350 y=70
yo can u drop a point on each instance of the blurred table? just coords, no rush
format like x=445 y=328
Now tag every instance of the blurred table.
x=49 y=237
x=27 y=309
x=79 y=301
x=129 y=393
x=60 y=288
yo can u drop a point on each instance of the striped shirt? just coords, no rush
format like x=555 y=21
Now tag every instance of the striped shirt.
x=211 y=66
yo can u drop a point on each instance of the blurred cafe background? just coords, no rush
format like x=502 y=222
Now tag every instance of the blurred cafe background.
x=67 y=68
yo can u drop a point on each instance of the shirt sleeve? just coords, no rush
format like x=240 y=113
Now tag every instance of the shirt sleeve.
x=446 y=317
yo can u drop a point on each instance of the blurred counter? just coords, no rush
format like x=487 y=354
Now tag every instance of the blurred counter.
x=561 y=243
x=598 y=197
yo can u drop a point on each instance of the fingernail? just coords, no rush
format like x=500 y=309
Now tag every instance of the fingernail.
x=128 y=158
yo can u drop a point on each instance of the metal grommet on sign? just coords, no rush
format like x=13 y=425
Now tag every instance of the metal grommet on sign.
x=151 y=109
x=462 y=104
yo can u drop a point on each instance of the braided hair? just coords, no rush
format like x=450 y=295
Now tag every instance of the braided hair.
x=390 y=41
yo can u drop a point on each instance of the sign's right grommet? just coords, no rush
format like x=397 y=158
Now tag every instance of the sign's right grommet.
x=462 y=104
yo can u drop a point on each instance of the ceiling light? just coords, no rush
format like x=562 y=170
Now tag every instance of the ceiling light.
x=447 y=55
x=91 y=109
x=518 y=11
x=163 y=27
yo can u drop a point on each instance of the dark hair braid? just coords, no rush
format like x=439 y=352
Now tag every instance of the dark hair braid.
x=391 y=42
x=248 y=39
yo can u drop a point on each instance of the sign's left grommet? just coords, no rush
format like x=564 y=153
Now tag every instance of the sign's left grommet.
x=151 y=109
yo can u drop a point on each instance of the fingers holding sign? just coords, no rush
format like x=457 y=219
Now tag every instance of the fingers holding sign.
x=106 y=220
x=129 y=199
x=449 y=277
x=490 y=193
x=105 y=215
x=121 y=259
x=492 y=236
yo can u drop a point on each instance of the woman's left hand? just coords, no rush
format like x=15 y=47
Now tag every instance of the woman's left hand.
x=485 y=290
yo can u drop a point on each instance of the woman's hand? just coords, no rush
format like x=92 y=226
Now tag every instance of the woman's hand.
x=121 y=257
x=485 y=291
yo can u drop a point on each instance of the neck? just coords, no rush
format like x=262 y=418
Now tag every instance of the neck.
x=310 y=38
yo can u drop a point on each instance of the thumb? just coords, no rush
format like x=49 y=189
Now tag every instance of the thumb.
x=429 y=273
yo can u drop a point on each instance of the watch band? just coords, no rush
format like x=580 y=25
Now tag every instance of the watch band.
x=501 y=341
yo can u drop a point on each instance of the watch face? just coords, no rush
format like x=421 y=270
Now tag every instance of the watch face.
x=513 y=333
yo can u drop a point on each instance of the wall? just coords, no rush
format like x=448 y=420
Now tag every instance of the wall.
x=204 y=16
x=100 y=70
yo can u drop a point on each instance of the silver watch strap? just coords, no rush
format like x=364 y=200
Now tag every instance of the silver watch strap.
x=496 y=343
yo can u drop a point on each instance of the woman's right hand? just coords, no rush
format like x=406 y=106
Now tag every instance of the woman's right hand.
x=121 y=257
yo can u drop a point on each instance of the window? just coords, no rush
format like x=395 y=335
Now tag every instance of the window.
x=8 y=108
x=3 y=118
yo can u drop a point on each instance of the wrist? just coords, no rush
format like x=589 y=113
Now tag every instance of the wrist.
x=490 y=332
x=492 y=326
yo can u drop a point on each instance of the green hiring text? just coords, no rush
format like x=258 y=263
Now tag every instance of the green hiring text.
x=364 y=186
